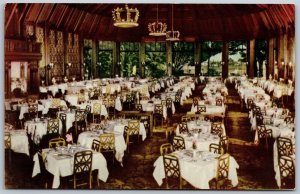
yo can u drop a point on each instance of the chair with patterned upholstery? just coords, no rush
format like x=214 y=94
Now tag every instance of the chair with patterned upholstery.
x=178 y=143
x=53 y=127
x=172 y=170
x=287 y=172
x=96 y=112
x=82 y=170
x=57 y=142
x=132 y=130
x=201 y=109
x=183 y=128
x=166 y=148
x=220 y=181
x=56 y=102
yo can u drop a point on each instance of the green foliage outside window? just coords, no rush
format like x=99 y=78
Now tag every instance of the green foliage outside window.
x=105 y=59
x=182 y=58
x=155 y=62
x=129 y=57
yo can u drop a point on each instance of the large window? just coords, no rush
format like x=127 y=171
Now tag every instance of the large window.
x=237 y=58
x=87 y=58
x=260 y=58
x=129 y=55
x=183 y=58
x=105 y=59
x=211 y=58
x=155 y=63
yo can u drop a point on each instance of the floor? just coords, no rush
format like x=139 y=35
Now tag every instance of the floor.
x=255 y=164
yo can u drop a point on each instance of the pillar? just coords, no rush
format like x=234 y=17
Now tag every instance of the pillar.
x=270 y=58
x=94 y=59
x=169 y=57
x=225 y=53
x=142 y=59
x=251 y=58
x=197 y=59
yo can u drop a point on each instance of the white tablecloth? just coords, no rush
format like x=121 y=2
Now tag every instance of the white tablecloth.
x=86 y=139
x=19 y=141
x=197 y=173
x=61 y=166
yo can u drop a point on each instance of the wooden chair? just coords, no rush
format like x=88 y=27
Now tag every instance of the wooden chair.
x=216 y=128
x=215 y=148
x=166 y=148
x=169 y=103
x=80 y=120
x=81 y=98
x=172 y=170
x=287 y=172
x=183 y=128
x=133 y=129
x=7 y=140
x=107 y=144
x=63 y=118
x=57 y=142
x=96 y=112
x=56 y=102
x=196 y=101
x=138 y=107
x=83 y=168
x=224 y=144
x=158 y=114
x=250 y=102
x=129 y=101
x=111 y=107
x=33 y=110
x=219 y=102
x=186 y=118
x=178 y=143
x=259 y=119
x=221 y=179
x=285 y=147
x=263 y=134
x=201 y=109
x=53 y=127
x=289 y=120
x=96 y=145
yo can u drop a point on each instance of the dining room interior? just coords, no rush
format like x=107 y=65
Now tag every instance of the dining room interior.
x=149 y=96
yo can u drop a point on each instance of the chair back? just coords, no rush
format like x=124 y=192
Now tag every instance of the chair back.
x=133 y=127
x=158 y=109
x=285 y=147
x=216 y=128
x=224 y=143
x=55 y=102
x=178 y=143
x=289 y=120
x=287 y=171
x=223 y=166
x=7 y=140
x=96 y=145
x=138 y=107
x=80 y=115
x=82 y=165
x=259 y=119
x=261 y=131
x=201 y=109
x=171 y=166
x=96 y=108
x=32 y=108
x=166 y=148
x=57 y=142
x=107 y=142
x=183 y=128
x=169 y=102
x=215 y=148
x=53 y=126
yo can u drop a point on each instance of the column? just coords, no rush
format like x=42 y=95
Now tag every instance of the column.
x=225 y=52
x=94 y=59
x=142 y=60
x=197 y=58
x=169 y=57
x=270 y=58
x=251 y=58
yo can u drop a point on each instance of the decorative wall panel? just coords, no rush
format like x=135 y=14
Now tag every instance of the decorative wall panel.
x=40 y=38
x=73 y=54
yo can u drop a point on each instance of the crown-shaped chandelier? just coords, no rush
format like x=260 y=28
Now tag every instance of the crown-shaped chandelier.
x=125 y=18
x=157 y=28
x=172 y=35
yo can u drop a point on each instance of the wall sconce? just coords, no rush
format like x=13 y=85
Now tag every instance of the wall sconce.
x=196 y=63
x=222 y=62
x=290 y=64
x=50 y=66
x=282 y=63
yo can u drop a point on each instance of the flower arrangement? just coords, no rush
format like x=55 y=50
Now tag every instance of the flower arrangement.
x=69 y=138
x=194 y=144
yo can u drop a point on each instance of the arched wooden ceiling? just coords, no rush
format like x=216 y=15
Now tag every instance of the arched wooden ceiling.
x=194 y=21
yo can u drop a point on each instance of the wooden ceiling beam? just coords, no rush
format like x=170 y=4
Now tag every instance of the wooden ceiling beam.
x=14 y=8
x=62 y=16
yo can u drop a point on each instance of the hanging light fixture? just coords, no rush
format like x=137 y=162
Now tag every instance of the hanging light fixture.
x=172 y=35
x=125 y=18
x=157 y=28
